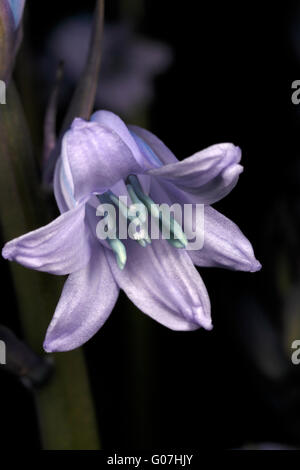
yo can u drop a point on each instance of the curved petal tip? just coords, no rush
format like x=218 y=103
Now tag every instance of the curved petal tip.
x=50 y=347
x=203 y=321
x=8 y=251
x=231 y=173
x=256 y=266
x=47 y=348
x=79 y=123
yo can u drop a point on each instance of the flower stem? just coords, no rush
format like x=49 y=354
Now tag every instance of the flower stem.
x=64 y=405
x=84 y=97
x=83 y=100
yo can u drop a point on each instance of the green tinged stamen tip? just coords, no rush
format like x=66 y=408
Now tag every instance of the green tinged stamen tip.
x=133 y=195
x=124 y=210
x=177 y=244
x=120 y=252
x=178 y=237
x=167 y=223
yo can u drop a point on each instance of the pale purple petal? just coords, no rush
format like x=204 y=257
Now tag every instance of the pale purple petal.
x=98 y=158
x=210 y=174
x=224 y=245
x=113 y=122
x=163 y=283
x=158 y=147
x=201 y=167
x=218 y=187
x=61 y=247
x=209 y=193
x=65 y=200
x=86 y=302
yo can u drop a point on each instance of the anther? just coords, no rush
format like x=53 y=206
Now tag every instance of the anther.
x=116 y=245
x=167 y=222
x=141 y=236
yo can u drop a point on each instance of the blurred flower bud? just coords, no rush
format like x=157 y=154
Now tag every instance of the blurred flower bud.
x=130 y=63
x=11 y=12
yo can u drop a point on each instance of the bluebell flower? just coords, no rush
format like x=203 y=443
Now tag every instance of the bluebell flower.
x=105 y=157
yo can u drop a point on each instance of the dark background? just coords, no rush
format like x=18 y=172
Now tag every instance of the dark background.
x=230 y=82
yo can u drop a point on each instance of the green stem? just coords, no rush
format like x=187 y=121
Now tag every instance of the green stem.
x=83 y=100
x=84 y=97
x=64 y=405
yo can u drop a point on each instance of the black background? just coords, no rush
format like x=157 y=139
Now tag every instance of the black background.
x=230 y=82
